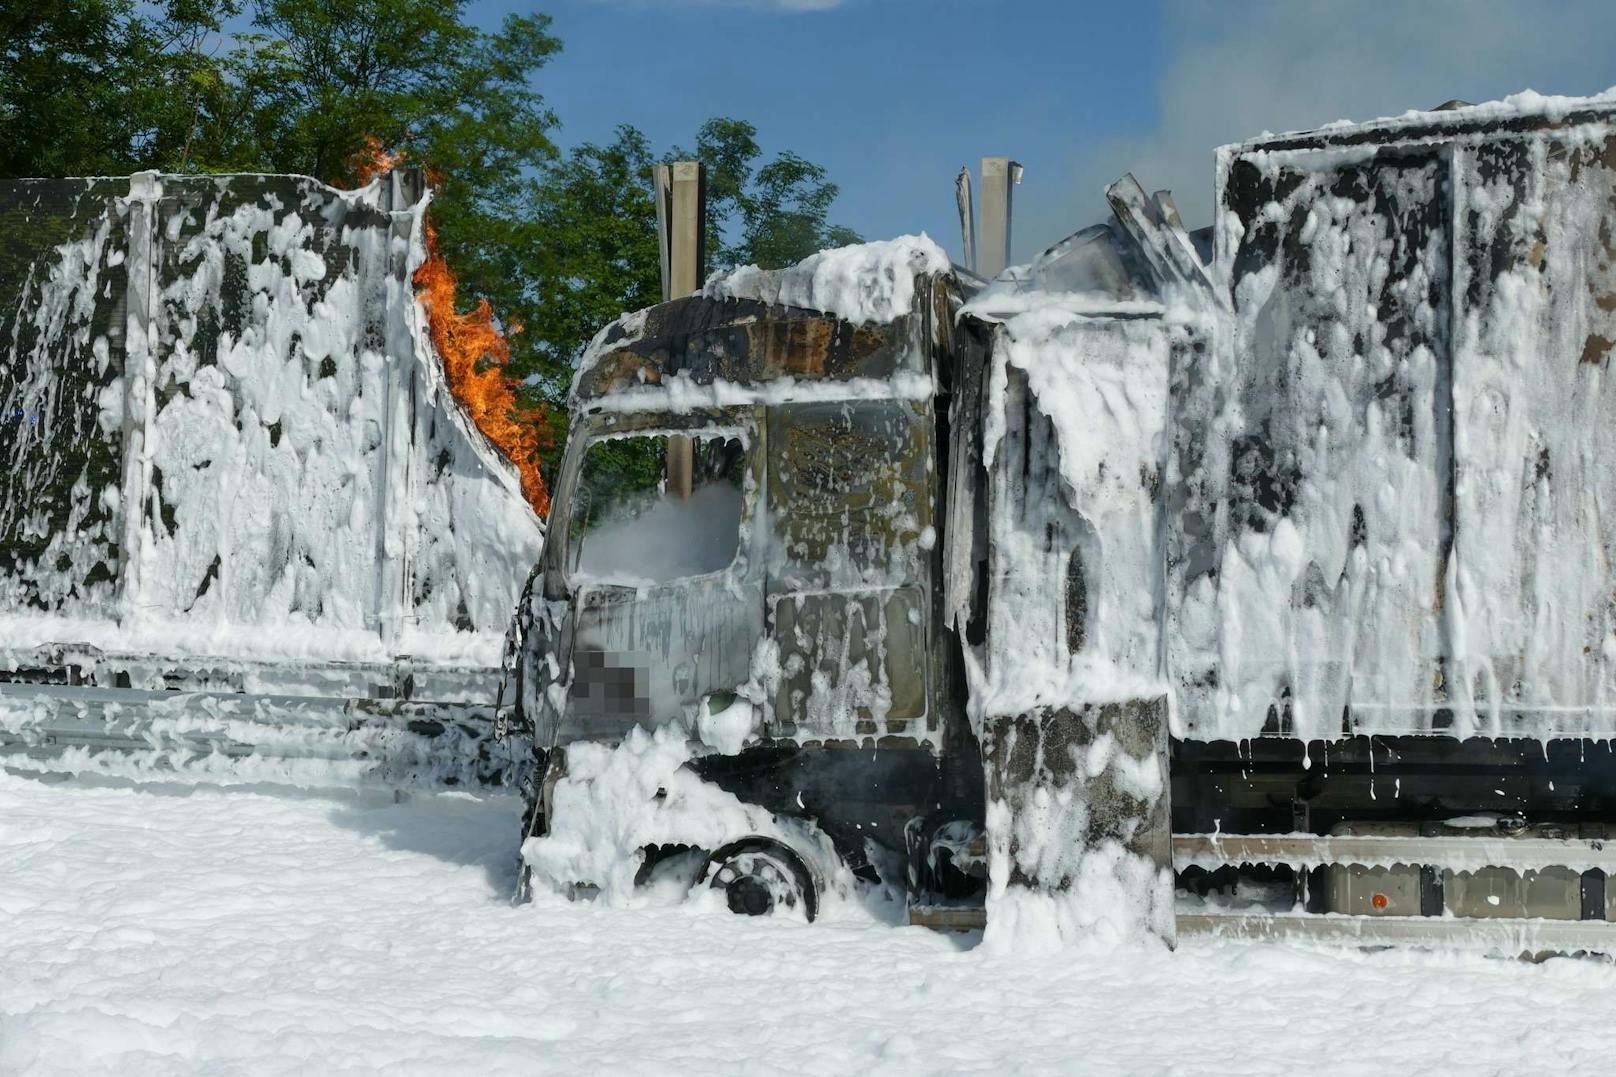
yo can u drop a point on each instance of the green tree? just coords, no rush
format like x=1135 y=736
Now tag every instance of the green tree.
x=452 y=98
x=106 y=87
x=768 y=215
x=71 y=76
x=558 y=244
x=591 y=236
x=58 y=95
x=207 y=103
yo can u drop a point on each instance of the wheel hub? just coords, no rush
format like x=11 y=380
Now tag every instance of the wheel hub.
x=749 y=896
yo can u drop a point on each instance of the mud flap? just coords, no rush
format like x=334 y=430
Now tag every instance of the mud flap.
x=1079 y=833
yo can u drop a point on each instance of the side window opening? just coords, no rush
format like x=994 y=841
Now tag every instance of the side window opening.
x=631 y=525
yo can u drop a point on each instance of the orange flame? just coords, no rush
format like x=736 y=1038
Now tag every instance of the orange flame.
x=485 y=390
x=372 y=161
x=474 y=352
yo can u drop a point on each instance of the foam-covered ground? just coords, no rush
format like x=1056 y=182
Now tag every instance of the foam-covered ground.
x=151 y=930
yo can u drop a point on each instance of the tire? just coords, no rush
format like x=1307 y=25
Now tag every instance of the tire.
x=760 y=876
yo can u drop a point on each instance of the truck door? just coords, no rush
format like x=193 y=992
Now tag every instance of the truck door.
x=849 y=582
x=666 y=585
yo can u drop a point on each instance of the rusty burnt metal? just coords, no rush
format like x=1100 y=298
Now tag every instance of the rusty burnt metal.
x=744 y=342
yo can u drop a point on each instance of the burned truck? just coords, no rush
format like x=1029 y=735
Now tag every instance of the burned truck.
x=245 y=528
x=1174 y=582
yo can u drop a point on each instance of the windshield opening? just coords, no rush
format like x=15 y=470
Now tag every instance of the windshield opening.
x=650 y=508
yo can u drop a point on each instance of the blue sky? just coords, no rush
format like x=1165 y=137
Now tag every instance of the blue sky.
x=892 y=96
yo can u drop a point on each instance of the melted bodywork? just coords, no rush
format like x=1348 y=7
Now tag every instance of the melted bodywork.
x=740 y=342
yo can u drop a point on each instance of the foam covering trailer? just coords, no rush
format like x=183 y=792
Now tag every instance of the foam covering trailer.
x=1171 y=583
x=245 y=529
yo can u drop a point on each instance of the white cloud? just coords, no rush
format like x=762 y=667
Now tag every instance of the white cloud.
x=1233 y=71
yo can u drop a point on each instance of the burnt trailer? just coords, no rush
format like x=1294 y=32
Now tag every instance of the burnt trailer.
x=245 y=528
x=1171 y=583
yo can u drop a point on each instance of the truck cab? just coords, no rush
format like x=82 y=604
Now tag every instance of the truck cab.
x=744 y=543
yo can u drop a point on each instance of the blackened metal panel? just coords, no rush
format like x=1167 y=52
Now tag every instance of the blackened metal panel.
x=1308 y=569
x=743 y=342
x=848 y=493
x=965 y=544
x=63 y=281
x=270 y=363
x=1079 y=822
x=1534 y=612
x=1076 y=448
x=853 y=664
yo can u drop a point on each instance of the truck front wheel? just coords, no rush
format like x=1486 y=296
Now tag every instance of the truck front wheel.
x=759 y=876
